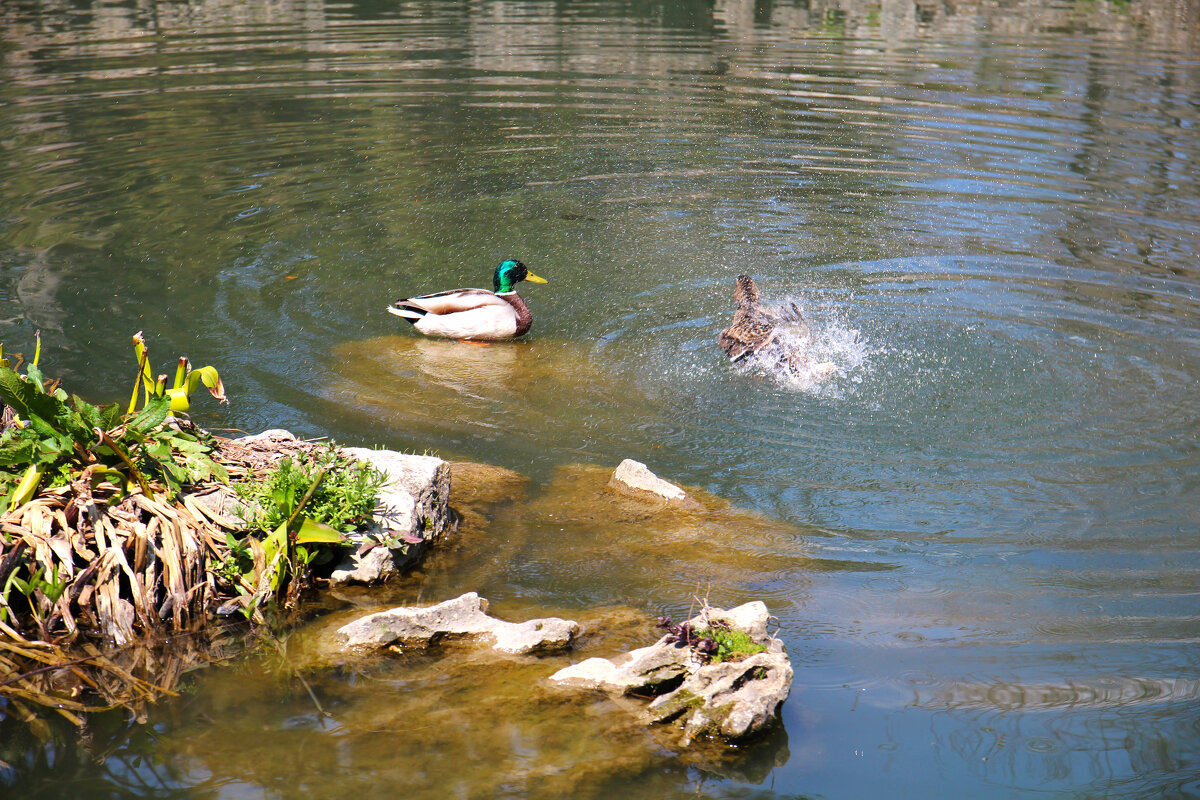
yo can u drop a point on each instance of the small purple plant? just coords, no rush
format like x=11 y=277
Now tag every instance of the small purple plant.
x=684 y=634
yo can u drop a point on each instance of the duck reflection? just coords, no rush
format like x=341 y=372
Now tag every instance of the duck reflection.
x=469 y=369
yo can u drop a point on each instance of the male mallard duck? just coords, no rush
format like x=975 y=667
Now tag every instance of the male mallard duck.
x=473 y=314
x=753 y=326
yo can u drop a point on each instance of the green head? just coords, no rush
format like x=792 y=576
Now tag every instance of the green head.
x=509 y=274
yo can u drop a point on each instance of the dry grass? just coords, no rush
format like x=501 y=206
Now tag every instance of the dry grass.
x=129 y=570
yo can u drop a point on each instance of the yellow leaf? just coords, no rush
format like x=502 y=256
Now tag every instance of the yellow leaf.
x=179 y=399
x=209 y=377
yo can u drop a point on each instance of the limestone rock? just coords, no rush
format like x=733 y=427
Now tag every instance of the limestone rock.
x=750 y=617
x=733 y=700
x=643 y=670
x=635 y=478
x=414 y=498
x=462 y=618
x=412 y=512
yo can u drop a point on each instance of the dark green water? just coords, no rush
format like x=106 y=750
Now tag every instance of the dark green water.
x=980 y=537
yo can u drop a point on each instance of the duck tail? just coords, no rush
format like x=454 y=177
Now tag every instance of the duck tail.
x=405 y=310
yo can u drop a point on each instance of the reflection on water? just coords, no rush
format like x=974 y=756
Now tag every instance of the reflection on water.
x=978 y=535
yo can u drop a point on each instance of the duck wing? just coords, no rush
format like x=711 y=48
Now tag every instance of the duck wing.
x=450 y=302
x=753 y=326
x=750 y=331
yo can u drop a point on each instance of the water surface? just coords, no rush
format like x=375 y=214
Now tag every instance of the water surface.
x=979 y=537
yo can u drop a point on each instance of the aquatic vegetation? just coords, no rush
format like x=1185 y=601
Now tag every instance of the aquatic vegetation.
x=103 y=538
x=54 y=438
x=344 y=499
x=716 y=643
x=187 y=380
x=76 y=479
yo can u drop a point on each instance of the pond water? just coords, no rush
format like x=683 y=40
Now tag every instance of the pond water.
x=979 y=537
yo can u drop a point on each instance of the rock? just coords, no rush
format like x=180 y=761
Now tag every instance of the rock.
x=635 y=478
x=646 y=669
x=733 y=700
x=414 y=498
x=479 y=488
x=461 y=618
x=412 y=512
x=750 y=617
x=373 y=562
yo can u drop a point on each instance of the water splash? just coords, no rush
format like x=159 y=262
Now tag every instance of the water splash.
x=814 y=353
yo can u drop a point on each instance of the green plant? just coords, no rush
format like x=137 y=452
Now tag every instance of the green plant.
x=51 y=589
x=49 y=434
x=187 y=380
x=344 y=500
x=303 y=507
x=239 y=562
x=732 y=644
x=716 y=643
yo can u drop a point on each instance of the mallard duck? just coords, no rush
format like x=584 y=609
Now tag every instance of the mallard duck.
x=473 y=314
x=755 y=329
x=753 y=326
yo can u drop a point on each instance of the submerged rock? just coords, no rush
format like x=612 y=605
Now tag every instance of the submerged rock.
x=480 y=488
x=462 y=618
x=412 y=513
x=733 y=700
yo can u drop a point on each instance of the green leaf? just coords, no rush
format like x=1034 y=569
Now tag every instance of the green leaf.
x=19 y=452
x=88 y=413
x=52 y=446
x=313 y=532
x=218 y=471
x=36 y=379
x=209 y=377
x=43 y=428
x=159 y=450
x=110 y=416
x=182 y=445
x=46 y=413
x=151 y=416
x=14 y=391
x=274 y=543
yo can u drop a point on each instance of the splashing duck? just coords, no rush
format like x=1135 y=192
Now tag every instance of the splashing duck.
x=755 y=329
x=473 y=314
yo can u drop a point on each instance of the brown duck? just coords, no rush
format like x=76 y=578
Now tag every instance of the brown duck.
x=753 y=326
